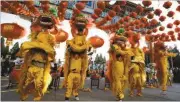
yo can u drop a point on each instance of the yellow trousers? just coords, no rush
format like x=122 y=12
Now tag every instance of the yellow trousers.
x=164 y=78
x=135 y=83
x=33 y=83
x=73 y=84
x=118 y=88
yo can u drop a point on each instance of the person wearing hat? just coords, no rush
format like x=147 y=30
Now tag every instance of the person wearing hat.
x=137 y=75
x=116 y=69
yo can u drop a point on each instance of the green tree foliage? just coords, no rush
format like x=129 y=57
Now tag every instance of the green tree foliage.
x=4 y=49
x=14 y=50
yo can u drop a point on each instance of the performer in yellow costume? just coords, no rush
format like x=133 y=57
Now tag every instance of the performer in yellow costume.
x=161 y=61
x=116 y=69
x=136 y=75
x=37 y=53
x=76 y=60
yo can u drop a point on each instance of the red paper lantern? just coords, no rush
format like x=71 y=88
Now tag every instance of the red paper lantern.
x=176 y=22
x=169 y=25
x=127 y=18
x=144 y=20
x=139 y=9
x=61 y=36
x=177 y=29
x=133 y=14
x=149 y=31
x=161 y=28
x=167 y=4
x=12 y=31
x=121 y=21
x=80 y=6
x=97 y=11
x=148 y=37
x=150 y=15
x=146 y=3
x=153 y=22
x=162 y=18
x=94 y=16
x=112 y=13
x=101 y=5
x=170 y=14
x=154 y=30
x=76 y=11
x=64 y=4
x=96 y=41
x=178 y=8
x=158 y=12
x=117 y=8
x=122 y=2
x=170 y=32
x=137 y=22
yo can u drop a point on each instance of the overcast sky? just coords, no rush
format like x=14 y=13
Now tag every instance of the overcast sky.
x=9 y=18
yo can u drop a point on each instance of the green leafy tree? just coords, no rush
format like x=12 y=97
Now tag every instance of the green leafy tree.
x=4 y=49
x=14 y=50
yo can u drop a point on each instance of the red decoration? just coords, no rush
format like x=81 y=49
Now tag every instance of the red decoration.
x=137 y=22
x=177 y=30
x=96 y=41
x=80 y=6
x=149 y=31
x=150 y=15
x=64 y=4
x=112 y=13
x=61 y=36
x=133 y=14
x=158 y=12
x=12 y=30
x=155 y=30
x=121 y=21
x=117 y=8
x=167 y=4
x=161 y=28
x=178 y=8
x=176 y=22
x=97 y=11
x=94 y=16
x=170 y=32
x=170 y=14
x=162 y=18
x=139 y=9
x=153 y=22
x=122 y=2
x=127 y=18
x=169 y=25
x=101 y=5
x=148 y=37
x=146 y=3
x=144 y=20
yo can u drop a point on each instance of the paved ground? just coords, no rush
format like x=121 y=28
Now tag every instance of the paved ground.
x=173 y=94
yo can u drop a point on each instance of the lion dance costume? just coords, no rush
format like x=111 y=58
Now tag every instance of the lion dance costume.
x=161 y=61
x=116 y=68
x=76 y=59
x=37 y=53
x=136 y=73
